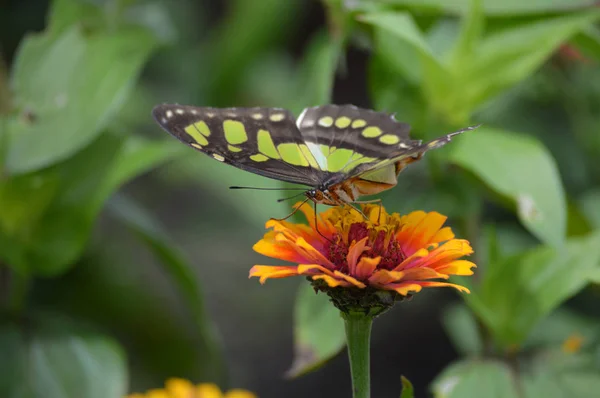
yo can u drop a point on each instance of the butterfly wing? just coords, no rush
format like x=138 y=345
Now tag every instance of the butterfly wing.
x=407 y=155
x=348 y=141
x=263 y=141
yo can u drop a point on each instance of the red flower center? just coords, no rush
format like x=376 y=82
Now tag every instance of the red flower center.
x=391 y=254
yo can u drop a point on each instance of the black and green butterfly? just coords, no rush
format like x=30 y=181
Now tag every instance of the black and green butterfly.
x=341 y=152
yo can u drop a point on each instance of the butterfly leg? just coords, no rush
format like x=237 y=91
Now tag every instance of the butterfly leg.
x=317 y=226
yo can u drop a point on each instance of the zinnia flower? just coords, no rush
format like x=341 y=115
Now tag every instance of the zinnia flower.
x=180 y=388
x=384 y=252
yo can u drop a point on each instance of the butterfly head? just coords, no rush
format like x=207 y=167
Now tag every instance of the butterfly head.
x=316 y=195
x=327 y=196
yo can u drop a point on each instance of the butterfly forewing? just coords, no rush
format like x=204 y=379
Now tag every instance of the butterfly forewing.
x=265 y=141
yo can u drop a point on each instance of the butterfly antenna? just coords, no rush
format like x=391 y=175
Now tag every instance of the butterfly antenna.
x=268 y=189
x=291 y=197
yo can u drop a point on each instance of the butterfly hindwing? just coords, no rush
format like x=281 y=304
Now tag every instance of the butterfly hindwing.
x=403 y=156
x=348 y=139
x=264 y=141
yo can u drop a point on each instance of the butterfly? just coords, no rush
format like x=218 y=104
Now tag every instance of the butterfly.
x=340 y=152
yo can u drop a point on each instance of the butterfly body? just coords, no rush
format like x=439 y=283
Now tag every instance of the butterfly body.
x=341 y=152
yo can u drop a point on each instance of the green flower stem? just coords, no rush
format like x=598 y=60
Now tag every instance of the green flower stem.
x=358 y=334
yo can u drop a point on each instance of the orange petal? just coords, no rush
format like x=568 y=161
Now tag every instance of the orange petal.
x=280 y=226
x=354 y=253
x=445 y=284
x=383 y=277
x=421 y=273
x=366 y=266
x=420 y=233
x=331 y=281
x=416 y=256
x=308 y=210
x=279 y=250
x=313 y=269
x=408 y=222
x=404 y=288
x=458 y=267
x=324 y=226
x=444 y=254
x=349 y=279
x=442 y=235
x=313 y=255
x=270 y=271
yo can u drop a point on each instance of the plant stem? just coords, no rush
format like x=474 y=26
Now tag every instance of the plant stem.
x=358 y=334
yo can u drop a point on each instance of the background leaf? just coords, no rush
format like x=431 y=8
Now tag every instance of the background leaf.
x=180 y=271
x=72 y=86
x=475 y=377
x=521 y=169
x=521 y=290
x=49 y=360
x=492 y=7
x=314 y=314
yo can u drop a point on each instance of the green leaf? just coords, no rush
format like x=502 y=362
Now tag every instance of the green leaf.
x=475 y=378
x=520 y=168
x=462 y=328
x=247 y=30
x=403 y=27
x=589 y=41
x=407 y=388
x=561 y=325
x=400 y=28
x=491 y=7
x=318 y=331
x=392 y=92
x=54 y=241
x=590 y=206
x=517 y=293
x=24 y=200
x=556 y=374
x=54 y=236
x=72 y=85
x=317 y=72
x=470 y=35
x=509 y=56
x=66 y=13
x=180 y=271
x=49 y=360
x=419 y=63
x=137 y=156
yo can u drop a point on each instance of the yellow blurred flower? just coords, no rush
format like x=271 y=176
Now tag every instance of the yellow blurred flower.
x=383 y=252
x=180 y=388
x=573 y=344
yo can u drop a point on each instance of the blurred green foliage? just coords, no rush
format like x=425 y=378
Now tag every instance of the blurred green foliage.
x=75 y=128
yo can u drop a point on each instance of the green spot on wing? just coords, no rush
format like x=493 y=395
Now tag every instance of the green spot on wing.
x=339 y=159
x=235 y=132
x=192 y=131
x=266 y=145
x=291 y=153
x=372 y=132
